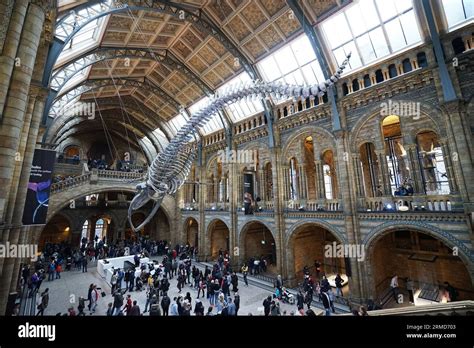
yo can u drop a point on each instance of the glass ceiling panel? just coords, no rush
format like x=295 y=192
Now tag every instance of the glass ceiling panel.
x=243 y=108
x=371 y=30
x=294 y=63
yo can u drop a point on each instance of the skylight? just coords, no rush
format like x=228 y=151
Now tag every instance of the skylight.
x=243 y=108
x=370 y=30
x=214 y=124
x=86 y=38
x=458 y=12
x=294 y=63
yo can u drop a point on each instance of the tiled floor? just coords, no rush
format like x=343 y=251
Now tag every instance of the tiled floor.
x=65 y=292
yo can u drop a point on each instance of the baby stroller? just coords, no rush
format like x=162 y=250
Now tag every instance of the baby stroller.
x=287 y=297
x=139 y=284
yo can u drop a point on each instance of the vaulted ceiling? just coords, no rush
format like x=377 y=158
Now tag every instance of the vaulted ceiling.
x=255 y=28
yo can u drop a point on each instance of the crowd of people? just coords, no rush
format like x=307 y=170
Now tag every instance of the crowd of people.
x=215 y=287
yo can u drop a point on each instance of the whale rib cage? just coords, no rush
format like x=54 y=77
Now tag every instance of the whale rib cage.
x=170 y=168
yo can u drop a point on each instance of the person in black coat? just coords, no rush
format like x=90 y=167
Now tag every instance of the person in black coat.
x=326 y=302
x=237 y=303
x=165 y=303
x=300 y=301
x=267 y=305
x=235 y=282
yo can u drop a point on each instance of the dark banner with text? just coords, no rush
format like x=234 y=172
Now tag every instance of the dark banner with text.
x=39 y=186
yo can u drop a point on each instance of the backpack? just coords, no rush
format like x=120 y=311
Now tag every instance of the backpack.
x=225 y=311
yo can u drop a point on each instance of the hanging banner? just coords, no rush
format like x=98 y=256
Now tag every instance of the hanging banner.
x=39 y=186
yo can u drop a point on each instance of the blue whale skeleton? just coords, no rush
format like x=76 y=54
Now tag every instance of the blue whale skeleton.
x=169 y=170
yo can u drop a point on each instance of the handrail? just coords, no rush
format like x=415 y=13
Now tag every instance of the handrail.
x=101 y=174
x=452 y=307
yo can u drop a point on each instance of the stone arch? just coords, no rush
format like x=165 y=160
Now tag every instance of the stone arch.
x=434 y=114
x=446 y=237
x=379 y=234
x=294 y=267
x=189 y=222
x=213 y=246
x=53 y=230
x=303 y=133
x=267 y=250
x=317 y=222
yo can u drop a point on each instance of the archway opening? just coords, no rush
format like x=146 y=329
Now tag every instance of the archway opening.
x=258 y=244
x=192 y=228
x=219 y=234
x=313 y=245
x=56 y=231
x=426 y=260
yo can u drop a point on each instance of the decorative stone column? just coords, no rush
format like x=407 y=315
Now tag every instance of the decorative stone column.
x=453 y=187
x=384 y=174
x=415 y=170
x=11 y=32
x=22 y=42
x=320 y=180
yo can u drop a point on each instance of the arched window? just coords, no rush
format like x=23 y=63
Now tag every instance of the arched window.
x=370 y=170
x=293 y=179
x=406 y=65
x=327 y=181
x=397 y=159
x=392 y=71
x=85 y=231
x=433 y=170
x=329 y=172
x=367 y=81
x=100 y=229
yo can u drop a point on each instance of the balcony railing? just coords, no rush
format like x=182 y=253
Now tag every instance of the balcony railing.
x=69 y=183
x=413 y=203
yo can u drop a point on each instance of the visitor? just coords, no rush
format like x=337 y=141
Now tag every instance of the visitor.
x=118 y=302
x=135 y=310
x=113 y=282
x=326 y=303
x=237 y=303
x=245 y=271
x=94 y=299
x=84 y=263
x=394 y=287
x=128 y=305
x=267 y=305
x=235 y=282
x=58 y=270
x=199 y=308
x=110 y=309
x=300 y=302
x=165 y=304
x=317 y=267
x=174 y=307
x=452 y=292
x=248 y=200
x=410 y=288
x=338 y=280
x=44 y=302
